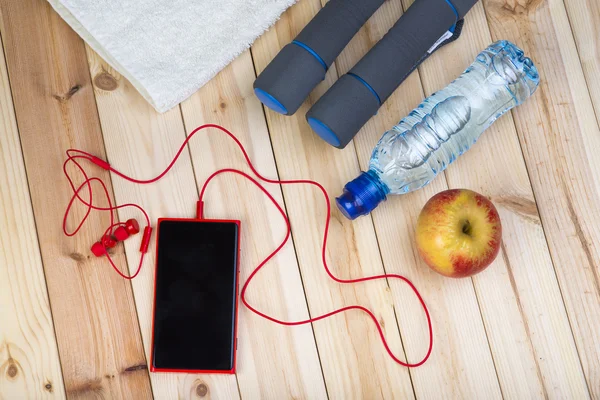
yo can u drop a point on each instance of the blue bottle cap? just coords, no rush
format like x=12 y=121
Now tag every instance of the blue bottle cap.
x=362 y=195
x=268 y=100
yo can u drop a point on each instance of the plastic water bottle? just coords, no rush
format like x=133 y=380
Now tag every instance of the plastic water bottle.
x=442 y=127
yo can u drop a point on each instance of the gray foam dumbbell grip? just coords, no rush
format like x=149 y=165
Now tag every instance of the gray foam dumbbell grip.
x=344 y=108
x=290 y=77
x=335 y=25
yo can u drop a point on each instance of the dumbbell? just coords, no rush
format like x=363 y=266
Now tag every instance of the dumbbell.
x=290 y=77
x=354 y=98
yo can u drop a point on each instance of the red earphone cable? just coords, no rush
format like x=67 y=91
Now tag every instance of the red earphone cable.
x=105 y=165
x=87 y=182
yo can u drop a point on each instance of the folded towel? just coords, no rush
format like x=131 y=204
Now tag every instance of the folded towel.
x=168 y=49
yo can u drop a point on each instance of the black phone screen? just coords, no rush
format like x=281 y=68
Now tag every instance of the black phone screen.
x=195 y=304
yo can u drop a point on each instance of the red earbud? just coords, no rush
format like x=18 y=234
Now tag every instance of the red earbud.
x=132 y=226
x=98 y=249
x=108 y=241
x=121 y=233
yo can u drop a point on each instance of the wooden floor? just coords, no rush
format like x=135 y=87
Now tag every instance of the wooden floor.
x=527 y=327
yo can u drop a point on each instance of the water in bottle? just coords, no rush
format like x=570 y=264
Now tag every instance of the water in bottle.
x=442 y=127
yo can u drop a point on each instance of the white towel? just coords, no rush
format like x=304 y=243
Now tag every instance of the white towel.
x=168 y=49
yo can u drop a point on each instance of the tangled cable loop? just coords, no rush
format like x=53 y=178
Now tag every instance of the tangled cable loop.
x=74 y=155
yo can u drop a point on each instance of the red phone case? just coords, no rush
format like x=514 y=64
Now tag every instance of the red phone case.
x=237 y=285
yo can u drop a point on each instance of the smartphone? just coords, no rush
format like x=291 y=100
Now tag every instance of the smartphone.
x=195 y=296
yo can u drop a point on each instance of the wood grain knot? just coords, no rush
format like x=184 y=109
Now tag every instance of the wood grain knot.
x=202 y=390
x=48 y=386
x=12 y=370
x=136 y=368
x=85 y=389
x=526 y=208
x=223 y=105
x=68 y=95
x=77 y=257
x=517 y=7
x=106 y=81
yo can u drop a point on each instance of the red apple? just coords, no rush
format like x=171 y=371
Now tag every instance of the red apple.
x=458 y=233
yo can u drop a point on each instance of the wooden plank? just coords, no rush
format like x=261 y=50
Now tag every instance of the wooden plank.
x=584 y=16
x=29 y=362
x=534 y=353
x=560 y=139
x=94 y=315
x=461 y=364
x=354 y=362
x=141 y=143
x=275 y=362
